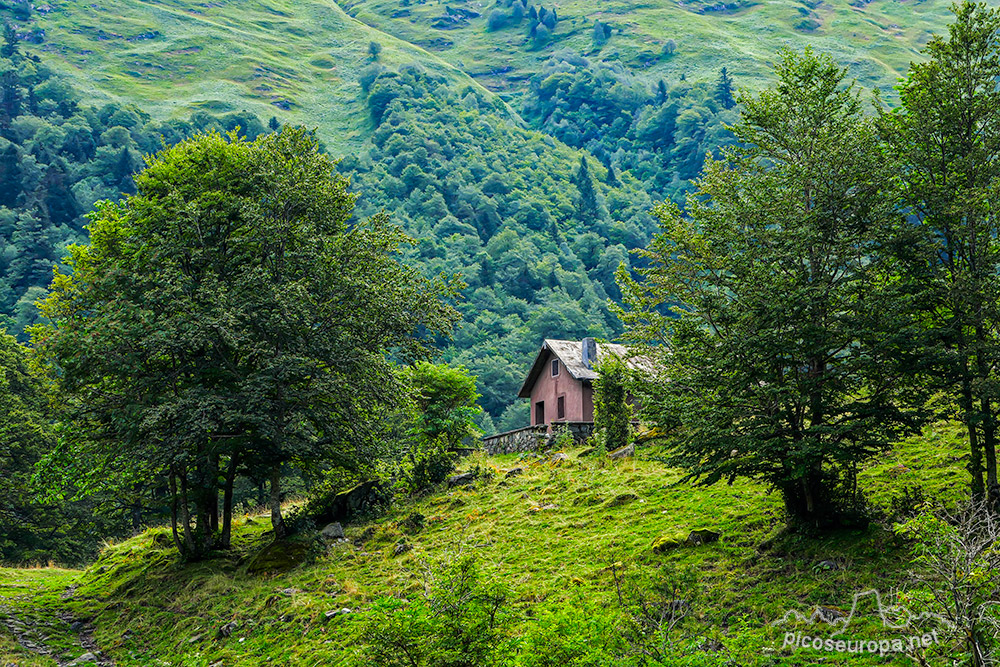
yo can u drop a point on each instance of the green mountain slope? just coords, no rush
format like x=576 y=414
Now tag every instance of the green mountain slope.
x=300 y=59
x=877 y=39
x=468 y=121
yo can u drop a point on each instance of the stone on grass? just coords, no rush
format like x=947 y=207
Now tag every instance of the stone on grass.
x=279 y=556
x=621 y=499
x=463 y=479
x=401 y=548
x=559 y=459
x=666 y=543
x=703 y=537
x=227 y=629
x=514 y=472
x=85 y=659
x=348 y=504
x=623 y=452
x=333 y=531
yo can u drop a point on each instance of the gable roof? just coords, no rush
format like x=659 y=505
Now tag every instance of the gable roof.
x=570 y=353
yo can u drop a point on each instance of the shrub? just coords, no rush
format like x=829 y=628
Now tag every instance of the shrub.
x=430 y=464
x=561 y=438
x=573 y=635
x=958 y=574
x=496 y=20
x=463 y=620
x=612 y=412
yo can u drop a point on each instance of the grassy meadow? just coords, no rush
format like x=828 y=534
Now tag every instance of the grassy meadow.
x=552 y=533
x=300 y=60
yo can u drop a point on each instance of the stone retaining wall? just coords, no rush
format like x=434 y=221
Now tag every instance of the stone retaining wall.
x=535 y=438
x=579 y=430
x=527 y=439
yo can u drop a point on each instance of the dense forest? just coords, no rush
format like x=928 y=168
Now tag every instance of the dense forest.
x=58 y=156
x=660 y=136
x=536 y=229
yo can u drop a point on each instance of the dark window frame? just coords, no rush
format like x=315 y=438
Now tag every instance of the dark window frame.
x=555 y=368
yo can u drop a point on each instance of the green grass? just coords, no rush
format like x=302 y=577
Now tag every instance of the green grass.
x=175 y=56
x=877 y=41
x=148 y=609
x=259 y=55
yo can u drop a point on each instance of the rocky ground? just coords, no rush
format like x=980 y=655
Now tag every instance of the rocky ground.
x=44 y=637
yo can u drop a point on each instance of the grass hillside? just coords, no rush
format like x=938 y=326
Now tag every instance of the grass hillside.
x=877 y=39
x=300 y=60
x=551 y=533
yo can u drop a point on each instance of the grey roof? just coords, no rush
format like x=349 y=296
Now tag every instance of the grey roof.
x=570 y=353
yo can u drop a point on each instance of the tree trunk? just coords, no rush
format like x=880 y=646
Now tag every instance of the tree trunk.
x=173 y=512
x=227 y=504
x=136 y=513
x=206 y=499
x=185 y=512
x=213 y=507
x=989 y=449
x=277 y=522
x=975 y=451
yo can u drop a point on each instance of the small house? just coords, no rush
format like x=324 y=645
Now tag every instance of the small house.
x=559 y=385
x=560 y=391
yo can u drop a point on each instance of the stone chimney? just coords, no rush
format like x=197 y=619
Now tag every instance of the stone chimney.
x=589 y=349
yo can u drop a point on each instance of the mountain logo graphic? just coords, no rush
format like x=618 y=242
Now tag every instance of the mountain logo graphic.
x=894 y=617
x=909 y=630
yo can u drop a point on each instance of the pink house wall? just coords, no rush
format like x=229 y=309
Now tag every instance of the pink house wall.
x=579 y=399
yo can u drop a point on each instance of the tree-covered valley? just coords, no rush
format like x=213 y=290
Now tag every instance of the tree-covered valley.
x=273 y=275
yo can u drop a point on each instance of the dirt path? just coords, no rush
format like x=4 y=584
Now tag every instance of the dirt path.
x=40 y=623
x=34 y=637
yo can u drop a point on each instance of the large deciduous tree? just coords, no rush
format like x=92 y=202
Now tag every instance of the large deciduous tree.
x=763 y=306
x=946 y=136
x=230 y=318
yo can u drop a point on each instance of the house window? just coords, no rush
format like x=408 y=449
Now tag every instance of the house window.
x=561 y=407
x=540 y=412
x=555 y=367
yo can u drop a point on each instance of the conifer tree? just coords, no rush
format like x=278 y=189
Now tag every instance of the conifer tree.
x=661 y=92
x=10 y=174
x=35 y=257
x=586 y=206
x=724 y=90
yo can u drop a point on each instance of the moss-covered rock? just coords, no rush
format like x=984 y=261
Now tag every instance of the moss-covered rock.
x=667 y=543
x=279 y=556
x=622 y=499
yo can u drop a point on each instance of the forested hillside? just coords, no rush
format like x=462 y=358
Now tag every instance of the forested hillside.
x=59 y=155
x=535 y=229
x=523 y=145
